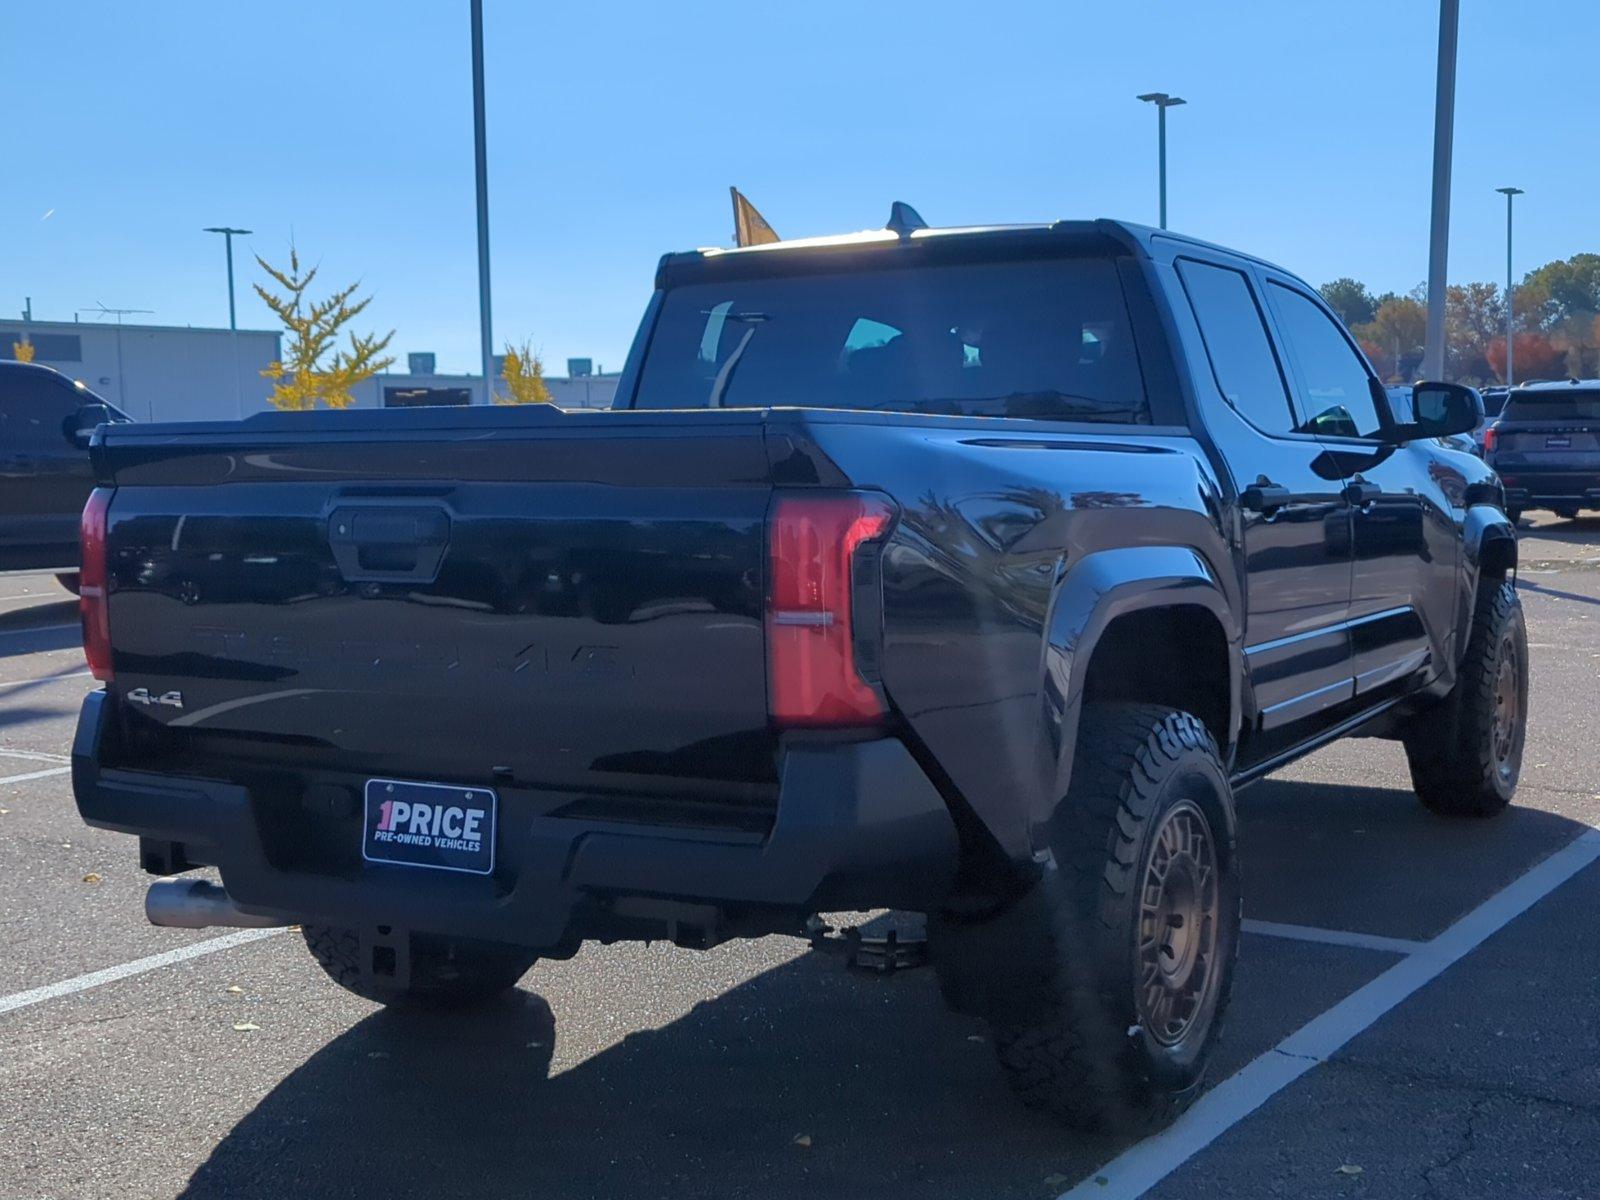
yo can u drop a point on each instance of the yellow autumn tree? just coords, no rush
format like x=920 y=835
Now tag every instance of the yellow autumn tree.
x=523 y=376
x=22 y=351
x=313 y=369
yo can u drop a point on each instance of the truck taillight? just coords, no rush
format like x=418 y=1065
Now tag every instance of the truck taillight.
x=93 y=605
x=1490 y=437
x=823 y=608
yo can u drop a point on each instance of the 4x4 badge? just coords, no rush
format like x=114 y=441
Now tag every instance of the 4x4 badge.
x=143 y=696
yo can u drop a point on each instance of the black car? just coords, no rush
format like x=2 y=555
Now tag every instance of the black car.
x=1546 y=447
x=45 y=423
x=965 y=572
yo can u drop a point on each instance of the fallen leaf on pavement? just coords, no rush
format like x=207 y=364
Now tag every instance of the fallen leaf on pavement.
x=236 y=990
x=92 y=877
x=1348 y=1169
x=245 y=1027
x=1055 y=1181
x=802 y=1139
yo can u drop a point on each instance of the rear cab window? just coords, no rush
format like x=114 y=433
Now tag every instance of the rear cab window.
x=1047 y=338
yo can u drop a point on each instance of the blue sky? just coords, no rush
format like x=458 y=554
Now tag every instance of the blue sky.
x=616 y=128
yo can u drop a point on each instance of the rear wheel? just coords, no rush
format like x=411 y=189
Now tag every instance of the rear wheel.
x=68 y=580
x=439 y=972
x=1569 y=513
x=1123 y=969
x=1466 y=754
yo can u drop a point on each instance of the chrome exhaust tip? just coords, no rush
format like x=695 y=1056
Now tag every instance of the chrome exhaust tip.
x=198 y=904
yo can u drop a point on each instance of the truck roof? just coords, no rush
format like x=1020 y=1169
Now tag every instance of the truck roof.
x=1129 y=236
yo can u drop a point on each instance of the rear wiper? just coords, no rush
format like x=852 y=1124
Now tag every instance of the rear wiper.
x=719 y=386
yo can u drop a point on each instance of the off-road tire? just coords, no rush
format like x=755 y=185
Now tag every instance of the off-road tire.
x=1073 y=1024
x=1568 y=513
x=1514 y=515
x=444 y=974
x=1466 y=753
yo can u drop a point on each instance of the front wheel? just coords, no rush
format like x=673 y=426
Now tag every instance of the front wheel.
x=1123 y=979
x=69 y=580
x=1466 y=754
x=442 y=973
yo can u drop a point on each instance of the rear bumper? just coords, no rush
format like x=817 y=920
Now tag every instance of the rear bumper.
x=1533 y=488
x=858 y=825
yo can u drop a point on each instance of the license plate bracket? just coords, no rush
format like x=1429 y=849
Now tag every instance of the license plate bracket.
x=436 y=826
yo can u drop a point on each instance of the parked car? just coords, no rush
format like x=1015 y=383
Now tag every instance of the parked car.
x=1494 y=402
x=1546 y=447
x=967 y=572
x=45 y=477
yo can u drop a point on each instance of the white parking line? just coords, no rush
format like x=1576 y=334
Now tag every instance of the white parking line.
x=1147 y=1163
x=34 y=775
x=1333 y=937
x=34 y=756
x=40 y=628
x=138 y=966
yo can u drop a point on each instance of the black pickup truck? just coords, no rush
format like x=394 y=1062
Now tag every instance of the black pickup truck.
x=45 y=423
x=967 y=572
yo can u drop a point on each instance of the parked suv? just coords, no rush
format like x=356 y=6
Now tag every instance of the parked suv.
x=45 y=477
x=969 y=572
x=1546 y=447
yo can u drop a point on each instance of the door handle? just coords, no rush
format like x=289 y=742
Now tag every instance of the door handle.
x=1359 y=492
x=389 y=543
x=1264 y=496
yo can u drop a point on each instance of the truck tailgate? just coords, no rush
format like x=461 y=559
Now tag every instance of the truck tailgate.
x=573 y=602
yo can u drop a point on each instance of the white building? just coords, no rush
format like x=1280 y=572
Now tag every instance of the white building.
x=182 y=373
x=156 y=372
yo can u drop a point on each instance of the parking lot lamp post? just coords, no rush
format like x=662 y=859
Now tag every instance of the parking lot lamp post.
x=1162 y=101
x=1444 y=122
x=1509 y=192
x=233 y=323
x=481 y=172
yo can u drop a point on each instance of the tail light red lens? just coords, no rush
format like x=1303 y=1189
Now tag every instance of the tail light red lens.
x=93 y=605
x=1490 y=437
x=823 y=605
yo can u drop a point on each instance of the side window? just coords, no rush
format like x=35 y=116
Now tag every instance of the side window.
x=1238 y=346
x=1335 y=389
x=32 y=412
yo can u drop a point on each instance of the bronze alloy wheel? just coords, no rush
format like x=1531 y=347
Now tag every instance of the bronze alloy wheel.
x=1507 y=709
x=1178 y=925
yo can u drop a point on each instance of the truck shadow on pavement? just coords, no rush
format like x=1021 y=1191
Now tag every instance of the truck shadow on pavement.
x=809 y=1080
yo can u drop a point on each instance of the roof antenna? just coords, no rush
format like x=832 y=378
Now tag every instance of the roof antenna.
x=904 y=220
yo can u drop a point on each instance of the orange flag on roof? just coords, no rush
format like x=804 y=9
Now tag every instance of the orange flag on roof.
x=750 y=228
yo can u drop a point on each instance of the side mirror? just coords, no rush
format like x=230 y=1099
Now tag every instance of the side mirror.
x=1441 y=410
x=79 y=426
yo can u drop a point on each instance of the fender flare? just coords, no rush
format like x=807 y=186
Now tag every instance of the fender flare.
x=1487 y=536
x=1093 y=593
x=1487 y=531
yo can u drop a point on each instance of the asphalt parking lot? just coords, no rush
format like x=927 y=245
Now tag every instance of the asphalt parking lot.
x=1415 y=1012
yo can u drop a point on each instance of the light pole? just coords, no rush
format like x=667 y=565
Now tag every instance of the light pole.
x=233 y=323
x=1444 y=120
x=481 y=163
x=1509 y=192
x=1162 y=101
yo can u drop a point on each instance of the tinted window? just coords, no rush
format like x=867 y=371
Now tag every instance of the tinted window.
x=1335 y=389
x=1237 y=343
x=1576 y=405
x=33 y=412
x=1024 y=339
